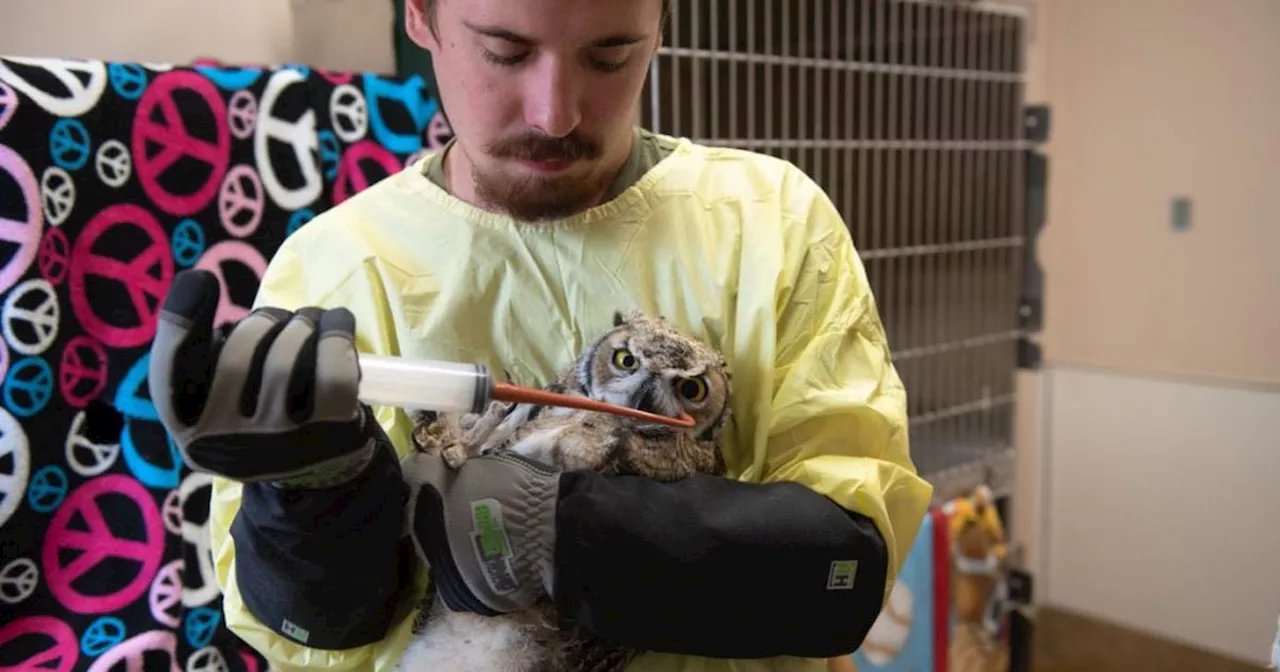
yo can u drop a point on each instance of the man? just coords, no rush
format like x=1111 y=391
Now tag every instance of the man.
x=511 y=248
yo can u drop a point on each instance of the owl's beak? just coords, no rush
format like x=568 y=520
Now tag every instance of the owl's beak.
x=646 y=398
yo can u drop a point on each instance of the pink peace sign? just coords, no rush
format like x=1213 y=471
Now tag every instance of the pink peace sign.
x=352 y=177
x=334 y=77
x=133 y=653
x=19 y=225
x=53 y=255
x=82 y=372
x=166 y=594
x=250 y=661
x=99 y=542
x=213 y=260
x=145 y=278
x=242 y=114
x=176 y=141
x=438 y=131
x=8 y=104
x=64 y=652
x=241 y=202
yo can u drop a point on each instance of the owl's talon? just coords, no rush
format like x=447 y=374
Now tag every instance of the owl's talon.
x=455 y=455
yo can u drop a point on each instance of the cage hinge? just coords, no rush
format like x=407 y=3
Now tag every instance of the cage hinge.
x=1030 y=318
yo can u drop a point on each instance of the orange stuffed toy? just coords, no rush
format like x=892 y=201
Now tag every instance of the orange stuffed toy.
x=978 y=566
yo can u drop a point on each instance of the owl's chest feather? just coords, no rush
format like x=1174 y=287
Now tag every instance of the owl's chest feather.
x=567 y=439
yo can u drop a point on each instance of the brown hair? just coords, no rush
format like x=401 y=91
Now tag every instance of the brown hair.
x=430 y=7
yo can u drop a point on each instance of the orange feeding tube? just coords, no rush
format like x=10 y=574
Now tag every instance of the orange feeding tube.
x=515 y=393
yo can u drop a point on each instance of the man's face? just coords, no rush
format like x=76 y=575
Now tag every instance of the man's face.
x=541 y=95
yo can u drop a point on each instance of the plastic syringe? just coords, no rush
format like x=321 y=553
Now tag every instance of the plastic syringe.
x=457 y=387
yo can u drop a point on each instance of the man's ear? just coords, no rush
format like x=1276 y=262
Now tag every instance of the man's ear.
x=418 y=25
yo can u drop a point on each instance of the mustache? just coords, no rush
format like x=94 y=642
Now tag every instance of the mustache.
x=534 y=147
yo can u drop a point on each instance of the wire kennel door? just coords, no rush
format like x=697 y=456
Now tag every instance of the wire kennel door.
x=909 y=114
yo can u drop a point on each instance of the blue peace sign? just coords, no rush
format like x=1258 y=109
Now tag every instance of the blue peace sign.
x=149 y=473
x=102 y=634
x=131 y=392
x=128 y=79
x=230 y=79
x=330 y=153
x=297 y=219
x=188 y=242
x=411 y=93
x=47 y=489
x=34 y=377
x=69 y=144
x=201 y=625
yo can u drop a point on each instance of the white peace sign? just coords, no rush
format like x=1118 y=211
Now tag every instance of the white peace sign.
x=18 y=580
x=41 y=318
x=58 y=191
x=300 y=134
x=208 y=659
x=78 y=93
x=13 y=445
x=101 y=455
x=242 y=113
x=171 y=512
x=349 y=113
x=113 y=163
x=197 y=534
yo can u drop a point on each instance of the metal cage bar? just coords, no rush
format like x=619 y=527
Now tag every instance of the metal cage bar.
x=908 y=113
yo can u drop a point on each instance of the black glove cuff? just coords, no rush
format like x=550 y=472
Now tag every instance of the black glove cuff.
x=324 y=567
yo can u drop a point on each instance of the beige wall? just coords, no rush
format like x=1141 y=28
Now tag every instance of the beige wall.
x=335 y=34
x=1162 y=381
x=1155 y=98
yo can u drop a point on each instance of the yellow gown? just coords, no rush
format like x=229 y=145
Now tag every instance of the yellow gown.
x=739 y=249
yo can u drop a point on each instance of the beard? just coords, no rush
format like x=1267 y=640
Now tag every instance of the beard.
x=539 y=197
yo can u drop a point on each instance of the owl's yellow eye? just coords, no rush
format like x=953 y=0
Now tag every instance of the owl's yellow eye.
x=623 y=359
x=693 y=389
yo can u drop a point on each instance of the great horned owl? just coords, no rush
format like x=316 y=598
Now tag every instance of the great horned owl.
x=642 y=362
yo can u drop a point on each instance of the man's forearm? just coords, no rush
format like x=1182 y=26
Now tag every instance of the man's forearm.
x=714 y=567
x=324 y=567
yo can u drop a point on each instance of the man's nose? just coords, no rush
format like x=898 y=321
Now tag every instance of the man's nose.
x=551 y=98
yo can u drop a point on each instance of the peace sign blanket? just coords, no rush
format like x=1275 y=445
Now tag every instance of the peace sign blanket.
x=113 y=177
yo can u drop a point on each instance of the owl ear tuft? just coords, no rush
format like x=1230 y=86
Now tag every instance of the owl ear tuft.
x=618 y=319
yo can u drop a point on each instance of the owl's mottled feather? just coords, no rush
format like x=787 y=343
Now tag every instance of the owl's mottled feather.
x=641 y=362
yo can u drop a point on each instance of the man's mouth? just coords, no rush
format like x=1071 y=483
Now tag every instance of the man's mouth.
x=546 y=166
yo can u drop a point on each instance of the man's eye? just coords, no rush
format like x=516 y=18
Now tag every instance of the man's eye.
x=612 y=60
x=499 y=59
x=609 y=66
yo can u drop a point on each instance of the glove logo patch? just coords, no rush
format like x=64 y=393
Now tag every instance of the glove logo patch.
x=841 y=575
x=295 y=631
x=493 y=548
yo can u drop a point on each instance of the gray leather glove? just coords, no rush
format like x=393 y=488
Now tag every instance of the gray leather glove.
x=275 y=400
x=487 y=529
